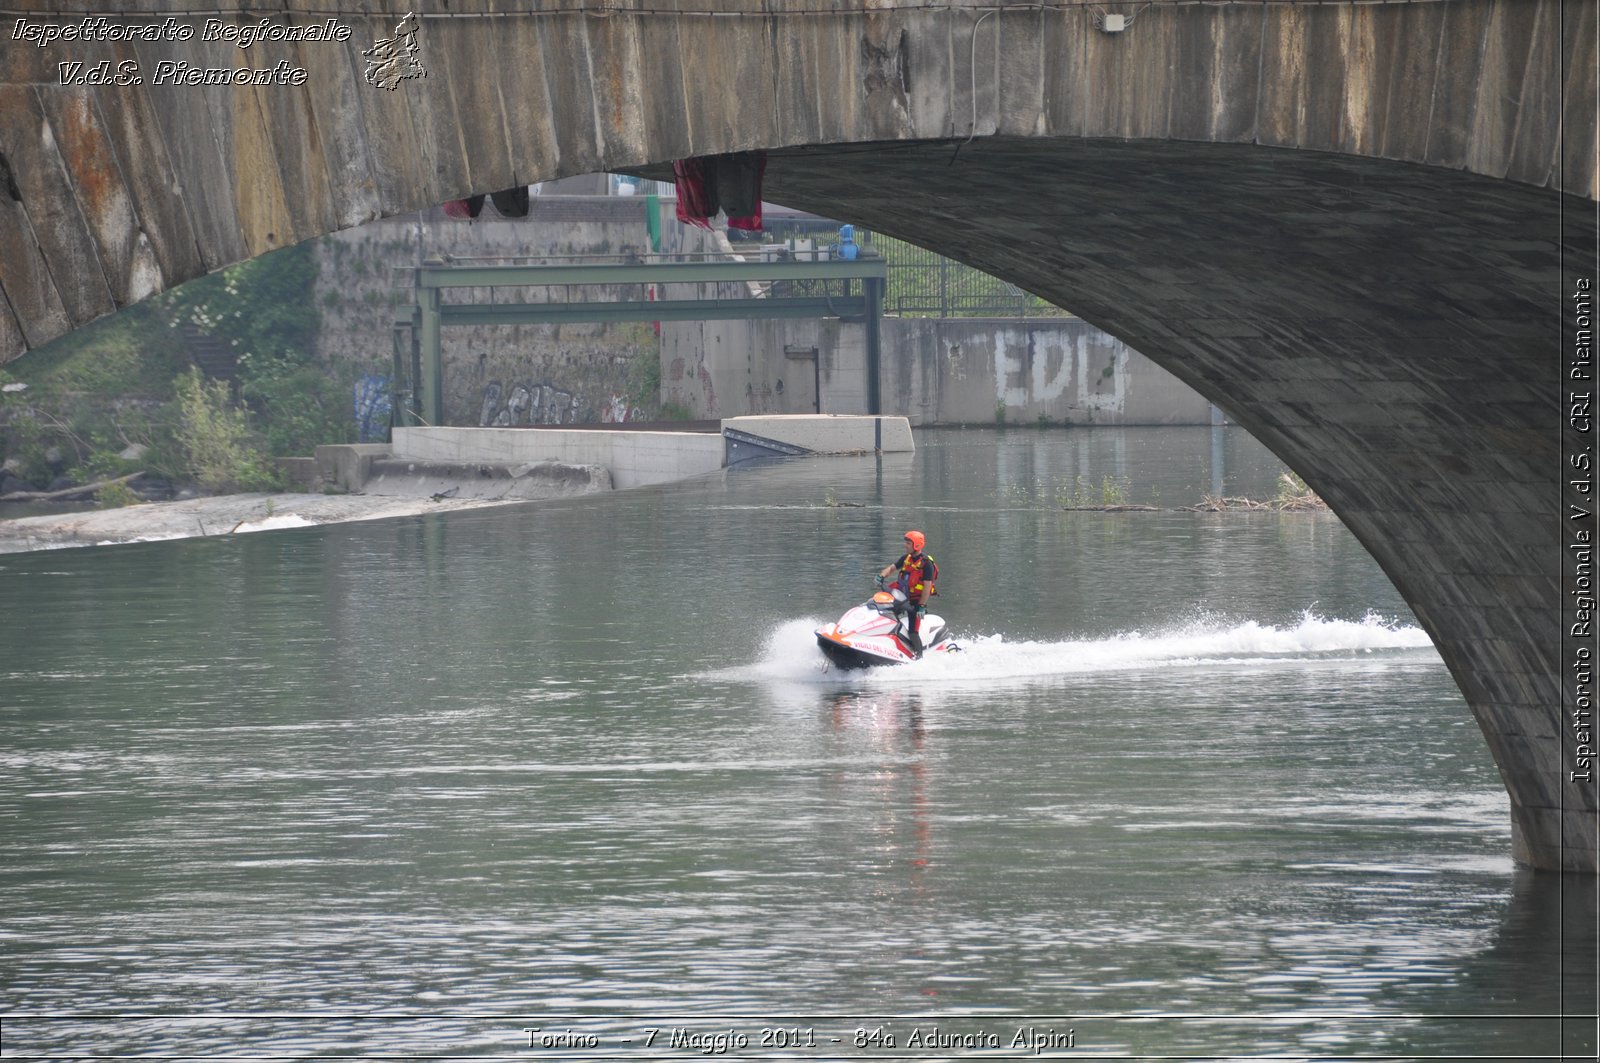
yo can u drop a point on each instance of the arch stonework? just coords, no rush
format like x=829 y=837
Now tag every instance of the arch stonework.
x=1348 y=225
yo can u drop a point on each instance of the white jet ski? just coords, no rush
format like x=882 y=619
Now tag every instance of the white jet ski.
x=874 y=633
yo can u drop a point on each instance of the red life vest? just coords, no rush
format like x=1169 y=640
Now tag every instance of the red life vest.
x=915 y=572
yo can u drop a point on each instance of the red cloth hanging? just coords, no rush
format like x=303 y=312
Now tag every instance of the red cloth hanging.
x=711 y=183
x=697 y=199
x=464 y=209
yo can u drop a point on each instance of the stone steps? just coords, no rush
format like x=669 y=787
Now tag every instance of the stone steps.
x=215 y=359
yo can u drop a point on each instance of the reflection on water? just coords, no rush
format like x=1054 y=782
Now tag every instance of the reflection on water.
x=1199 y=785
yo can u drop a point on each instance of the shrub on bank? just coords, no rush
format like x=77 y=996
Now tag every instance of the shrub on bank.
x=216 y=440
x=121 y=395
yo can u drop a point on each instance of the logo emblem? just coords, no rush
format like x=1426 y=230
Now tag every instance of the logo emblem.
x=392 y=61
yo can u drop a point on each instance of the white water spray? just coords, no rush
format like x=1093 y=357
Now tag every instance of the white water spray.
x=791 y=655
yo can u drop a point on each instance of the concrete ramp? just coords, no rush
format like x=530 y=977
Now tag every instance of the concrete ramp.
x=819 y=433
x=404 y=478
x=532 y=463
x=634 y=458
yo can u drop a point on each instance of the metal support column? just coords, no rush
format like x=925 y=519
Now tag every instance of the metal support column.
x=872 y=288
x=399 y=394
x=414 y=403
x=432 y=383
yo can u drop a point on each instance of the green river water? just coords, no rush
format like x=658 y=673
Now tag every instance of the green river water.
x=539 y=780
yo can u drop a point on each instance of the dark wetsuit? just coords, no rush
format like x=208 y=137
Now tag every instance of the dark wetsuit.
x=916 y=572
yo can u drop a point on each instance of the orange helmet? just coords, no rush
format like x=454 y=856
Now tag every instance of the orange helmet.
x=917 y=540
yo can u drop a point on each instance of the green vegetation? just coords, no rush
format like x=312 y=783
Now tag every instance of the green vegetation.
x=215 y=437
x=126 y=385
x=261 y=307
x=298 y=405
x=1293 y=496
x=115 y=496
x=72 y=407
x=124 y=355
x=1111 y=493
x=644 y=366
x=675 y=411
x=1293 y=493
x=922 y=283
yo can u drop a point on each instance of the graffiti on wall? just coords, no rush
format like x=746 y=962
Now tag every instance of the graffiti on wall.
x=1031 y=369
x=615 y=410
x=538 y=403
x=372 y=408
x=531 y=403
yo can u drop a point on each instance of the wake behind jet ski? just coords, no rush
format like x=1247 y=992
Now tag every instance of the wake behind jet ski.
x=874 y=633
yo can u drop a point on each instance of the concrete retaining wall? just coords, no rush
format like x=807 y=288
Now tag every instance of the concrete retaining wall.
x=934 y=371
x=541 y=480
x=961 y=371
x=635 y=459
x=976 y=371
x=509 y=374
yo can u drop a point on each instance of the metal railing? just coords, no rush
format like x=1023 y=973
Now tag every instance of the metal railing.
x=923 y=283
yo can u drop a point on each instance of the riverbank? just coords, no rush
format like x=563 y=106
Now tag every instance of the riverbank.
x=219 y=515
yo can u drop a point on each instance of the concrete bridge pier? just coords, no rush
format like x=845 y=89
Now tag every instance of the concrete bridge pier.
x=1390 y=331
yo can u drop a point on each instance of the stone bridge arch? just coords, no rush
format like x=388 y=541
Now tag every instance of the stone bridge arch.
x=1349 y=225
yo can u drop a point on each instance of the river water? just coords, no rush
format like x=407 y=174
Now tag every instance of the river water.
x=1198 y=787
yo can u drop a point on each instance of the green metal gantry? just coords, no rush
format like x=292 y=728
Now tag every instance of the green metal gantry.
x=424 y=400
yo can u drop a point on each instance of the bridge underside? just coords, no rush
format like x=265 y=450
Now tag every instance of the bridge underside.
x=1391 y=331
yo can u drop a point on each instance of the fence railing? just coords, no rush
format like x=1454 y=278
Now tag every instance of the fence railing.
x=923 y=283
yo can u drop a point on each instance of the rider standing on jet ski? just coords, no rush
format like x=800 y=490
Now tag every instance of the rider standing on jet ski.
x=917 y=575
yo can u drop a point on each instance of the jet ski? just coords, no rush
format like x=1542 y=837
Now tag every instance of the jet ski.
x=874 y=633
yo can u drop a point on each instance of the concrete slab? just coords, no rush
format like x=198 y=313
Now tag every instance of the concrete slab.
x=400 y=478
x=635 y=459
x=222 y=515
x=348 y=465
x=830 y=433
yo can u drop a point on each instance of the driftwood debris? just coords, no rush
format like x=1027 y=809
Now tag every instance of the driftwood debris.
x=1122 y=508
x=67 y=492
x=1219 y=504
